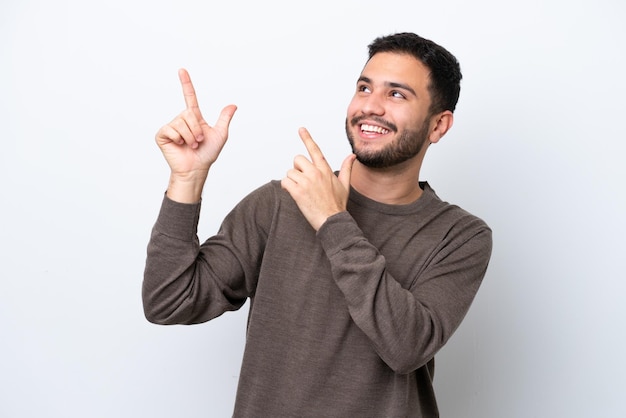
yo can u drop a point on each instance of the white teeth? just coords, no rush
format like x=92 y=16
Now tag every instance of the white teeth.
x=374 y=129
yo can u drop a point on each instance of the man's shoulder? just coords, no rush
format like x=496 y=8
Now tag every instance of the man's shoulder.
x=451 y=212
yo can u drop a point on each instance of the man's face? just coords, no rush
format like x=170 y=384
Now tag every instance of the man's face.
x=388 y=120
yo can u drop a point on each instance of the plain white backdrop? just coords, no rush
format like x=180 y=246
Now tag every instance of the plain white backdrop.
x=537 y=151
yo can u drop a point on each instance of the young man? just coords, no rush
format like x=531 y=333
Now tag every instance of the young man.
x=355 y=279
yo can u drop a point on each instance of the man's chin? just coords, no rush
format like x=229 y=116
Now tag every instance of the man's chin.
x=371 y=161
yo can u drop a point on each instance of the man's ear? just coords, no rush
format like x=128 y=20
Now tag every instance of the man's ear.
x=440 y=124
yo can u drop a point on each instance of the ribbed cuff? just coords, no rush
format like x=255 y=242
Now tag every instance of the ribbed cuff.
x=338 y=232
x=178 y=220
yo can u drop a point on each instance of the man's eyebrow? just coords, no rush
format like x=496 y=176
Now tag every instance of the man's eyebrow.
x=401 y=86
x=390 y=84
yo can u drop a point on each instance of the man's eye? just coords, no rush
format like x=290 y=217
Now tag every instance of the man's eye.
x=397 y=94
x=364 y=89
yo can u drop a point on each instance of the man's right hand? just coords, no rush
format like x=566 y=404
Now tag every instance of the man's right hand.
x=190 y=146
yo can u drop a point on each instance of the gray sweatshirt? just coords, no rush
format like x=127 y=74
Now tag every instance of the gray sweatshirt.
x=344 y=322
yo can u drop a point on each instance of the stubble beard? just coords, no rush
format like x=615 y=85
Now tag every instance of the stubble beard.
x=407 y=145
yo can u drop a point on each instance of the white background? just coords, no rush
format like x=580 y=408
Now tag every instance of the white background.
x=537 y=151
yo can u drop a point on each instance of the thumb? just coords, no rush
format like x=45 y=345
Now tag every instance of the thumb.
x=346 y=171
x=223 y=122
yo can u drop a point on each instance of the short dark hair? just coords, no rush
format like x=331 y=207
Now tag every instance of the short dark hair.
x=445 y=71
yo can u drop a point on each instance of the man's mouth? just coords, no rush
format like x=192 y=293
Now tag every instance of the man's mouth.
x=373 y=129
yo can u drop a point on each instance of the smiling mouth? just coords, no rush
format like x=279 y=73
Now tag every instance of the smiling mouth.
x=372 y=129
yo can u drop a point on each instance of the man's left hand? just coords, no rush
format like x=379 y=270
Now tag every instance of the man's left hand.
x=317 y=191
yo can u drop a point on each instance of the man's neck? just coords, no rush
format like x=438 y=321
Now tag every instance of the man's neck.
x=397 y=185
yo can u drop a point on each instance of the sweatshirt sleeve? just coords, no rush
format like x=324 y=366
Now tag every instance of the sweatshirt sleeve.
x=407 y=326
x=185 y=282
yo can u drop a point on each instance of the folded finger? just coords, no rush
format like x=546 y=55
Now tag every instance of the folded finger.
x=184 y=133
x=168 y=134
x=194 y=125
x=301 y=163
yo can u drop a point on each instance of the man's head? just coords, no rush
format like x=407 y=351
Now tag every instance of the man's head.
x=445 y=72
x=404 y=99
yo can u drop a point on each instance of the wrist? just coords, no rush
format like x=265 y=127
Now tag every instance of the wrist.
x=186 y=188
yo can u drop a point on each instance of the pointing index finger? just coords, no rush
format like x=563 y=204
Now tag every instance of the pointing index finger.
x=191 y=101
x=314 y=150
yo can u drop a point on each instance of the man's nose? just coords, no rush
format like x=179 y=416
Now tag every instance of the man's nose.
x=373 y=105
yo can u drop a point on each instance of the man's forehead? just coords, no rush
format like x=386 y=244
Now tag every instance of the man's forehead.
x=398 y=68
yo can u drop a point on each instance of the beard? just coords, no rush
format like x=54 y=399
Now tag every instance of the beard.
x=407 y=145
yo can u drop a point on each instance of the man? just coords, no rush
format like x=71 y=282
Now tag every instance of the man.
x=355 y=279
